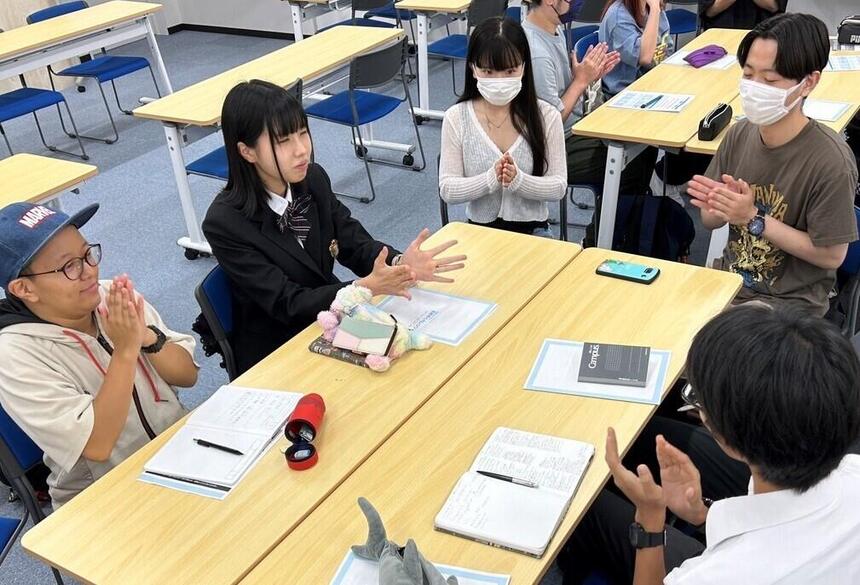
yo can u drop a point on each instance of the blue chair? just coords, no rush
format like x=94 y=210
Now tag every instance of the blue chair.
x=356 y=107
x=583 y=43
x=103 y=68
x=453 y=48
x=573 y=35
x=682 y=21
x=10 y=528
x=214 y=164
x=215 y=298
x=848 y=282
x=29 y=100
x=514 y=13
x=19 y=454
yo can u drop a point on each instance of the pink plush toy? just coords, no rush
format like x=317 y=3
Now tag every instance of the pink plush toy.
x=354 y=301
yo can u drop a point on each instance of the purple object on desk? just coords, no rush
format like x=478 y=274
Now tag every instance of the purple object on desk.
x=705 y=55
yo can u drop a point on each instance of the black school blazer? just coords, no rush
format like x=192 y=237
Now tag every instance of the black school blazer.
x=278 y=287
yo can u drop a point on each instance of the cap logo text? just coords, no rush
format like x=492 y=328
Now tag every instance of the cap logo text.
x=34 y=217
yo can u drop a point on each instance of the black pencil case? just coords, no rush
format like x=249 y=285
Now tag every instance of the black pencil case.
x=713 y=123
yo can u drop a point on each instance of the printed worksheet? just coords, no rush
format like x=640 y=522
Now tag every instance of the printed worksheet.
x=651 y=101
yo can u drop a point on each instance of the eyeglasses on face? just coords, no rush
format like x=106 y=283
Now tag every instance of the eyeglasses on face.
x=73 y=269
x=688 y=395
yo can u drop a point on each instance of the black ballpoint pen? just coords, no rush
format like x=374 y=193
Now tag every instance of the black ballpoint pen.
x=205 y=443
x=508 y=478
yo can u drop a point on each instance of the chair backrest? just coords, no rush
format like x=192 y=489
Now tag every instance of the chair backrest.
x=18 y=453
x=215 y=298
x=851 y=265
x=379 y=67
x=365 y=5
x=54 y=11
x=481 y=10
x=582 y=44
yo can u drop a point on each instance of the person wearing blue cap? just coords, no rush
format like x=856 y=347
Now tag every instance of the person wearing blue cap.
x=89 y=367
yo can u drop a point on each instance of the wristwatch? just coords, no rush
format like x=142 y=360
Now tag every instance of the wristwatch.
x=639 y=538
x=756 y=224
x=160 y=340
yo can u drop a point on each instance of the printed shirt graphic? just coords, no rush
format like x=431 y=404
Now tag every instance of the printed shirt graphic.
x=757 y=260
x=807 y=184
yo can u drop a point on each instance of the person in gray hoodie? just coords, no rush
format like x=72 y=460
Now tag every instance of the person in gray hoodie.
x=89 y=368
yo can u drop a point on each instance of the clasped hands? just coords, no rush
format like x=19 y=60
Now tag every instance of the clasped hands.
x=730 y=200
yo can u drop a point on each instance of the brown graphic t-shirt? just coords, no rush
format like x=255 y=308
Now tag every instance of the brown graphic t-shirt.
x=807 y=184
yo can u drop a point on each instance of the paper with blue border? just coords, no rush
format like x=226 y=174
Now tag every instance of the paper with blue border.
x=354 y=570
x=556 y=369
x=444 y=318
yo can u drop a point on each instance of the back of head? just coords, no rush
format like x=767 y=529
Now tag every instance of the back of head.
x=780 y=388
x=250 y=109
x=803 y=45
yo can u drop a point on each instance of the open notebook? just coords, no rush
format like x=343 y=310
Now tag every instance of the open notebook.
x=244 y=419
x=508 y=515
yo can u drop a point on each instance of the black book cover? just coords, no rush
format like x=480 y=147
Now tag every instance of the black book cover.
x=623 y=365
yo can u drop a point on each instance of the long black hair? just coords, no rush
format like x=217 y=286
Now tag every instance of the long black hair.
x=251 y=108
x=499 y=43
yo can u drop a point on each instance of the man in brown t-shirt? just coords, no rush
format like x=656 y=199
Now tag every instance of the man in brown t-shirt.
x=783 y=182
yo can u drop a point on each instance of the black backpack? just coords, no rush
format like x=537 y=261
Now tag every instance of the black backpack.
x=653 y=226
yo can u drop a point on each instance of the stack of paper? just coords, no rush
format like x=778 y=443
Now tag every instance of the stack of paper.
x=843 y=63
x=245 y=420
x=651 y=101
x=354 y=570
x=824 y=111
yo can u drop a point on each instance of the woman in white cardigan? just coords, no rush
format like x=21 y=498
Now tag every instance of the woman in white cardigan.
x=502 y=148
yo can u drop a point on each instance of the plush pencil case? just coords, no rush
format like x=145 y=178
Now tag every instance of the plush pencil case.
x=713 y=123
x=705 y=55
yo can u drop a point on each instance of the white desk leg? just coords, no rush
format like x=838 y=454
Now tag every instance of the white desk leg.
x=194 y=243
x=611 y=186
x=423 y=74
x=296 y=12
x=719 y=239
x=156 y=54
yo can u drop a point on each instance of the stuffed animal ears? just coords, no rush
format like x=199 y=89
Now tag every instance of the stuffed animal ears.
x=408 y=567
x=376 y=537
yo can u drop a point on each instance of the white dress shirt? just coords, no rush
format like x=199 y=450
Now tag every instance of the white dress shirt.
x=279 y=205
x=784 y=537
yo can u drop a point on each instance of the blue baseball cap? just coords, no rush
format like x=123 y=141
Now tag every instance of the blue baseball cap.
x=26 y=228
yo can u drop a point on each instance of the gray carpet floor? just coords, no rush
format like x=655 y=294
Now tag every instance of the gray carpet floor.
x=140 y=219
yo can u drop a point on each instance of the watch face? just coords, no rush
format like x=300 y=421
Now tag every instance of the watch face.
x=756 y=226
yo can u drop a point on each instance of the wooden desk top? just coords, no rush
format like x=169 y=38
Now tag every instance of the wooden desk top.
x=444 y=6
x=122 y=530
x=836 y=86
x=409 y=478
x=200 y=104
x=28 y=177
x=666 y=128
x=69 y=26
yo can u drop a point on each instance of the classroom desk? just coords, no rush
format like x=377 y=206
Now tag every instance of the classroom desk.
x=40 y=179
x=423 y=10
x=628 y=132
x=409 y=478
x=110 y=24
x=836 y=86
x=200 y=104
x=122 y=530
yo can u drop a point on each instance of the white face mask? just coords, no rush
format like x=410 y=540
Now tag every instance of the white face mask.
x=499 y=91
x=765 y=105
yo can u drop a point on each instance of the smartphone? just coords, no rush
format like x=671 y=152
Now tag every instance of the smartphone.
x=628 y=271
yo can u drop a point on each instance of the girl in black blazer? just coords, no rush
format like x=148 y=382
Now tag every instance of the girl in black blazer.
x=277 y=228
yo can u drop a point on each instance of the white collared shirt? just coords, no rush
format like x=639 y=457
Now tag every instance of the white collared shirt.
x=279 y=205
x=783 y=537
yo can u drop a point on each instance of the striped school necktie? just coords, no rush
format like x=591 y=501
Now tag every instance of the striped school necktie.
x=295 y=218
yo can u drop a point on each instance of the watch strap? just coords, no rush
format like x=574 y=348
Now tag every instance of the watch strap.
x=160 y=340
x=640 y=538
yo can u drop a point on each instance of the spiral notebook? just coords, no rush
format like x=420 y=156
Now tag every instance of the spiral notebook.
x=508 y=515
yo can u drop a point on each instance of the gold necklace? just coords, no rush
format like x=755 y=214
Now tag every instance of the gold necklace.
x=491 y=125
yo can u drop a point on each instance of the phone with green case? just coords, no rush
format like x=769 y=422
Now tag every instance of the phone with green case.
x=366 y=337
x=628 y=271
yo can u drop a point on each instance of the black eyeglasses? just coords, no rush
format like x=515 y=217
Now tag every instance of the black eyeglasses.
x=688 y=395
x=74 y=268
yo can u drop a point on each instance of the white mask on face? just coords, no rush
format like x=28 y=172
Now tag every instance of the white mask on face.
x=765 y=105
x=499 y=91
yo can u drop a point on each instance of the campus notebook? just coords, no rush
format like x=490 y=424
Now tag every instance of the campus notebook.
x=245 y=420
x=508 y=515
